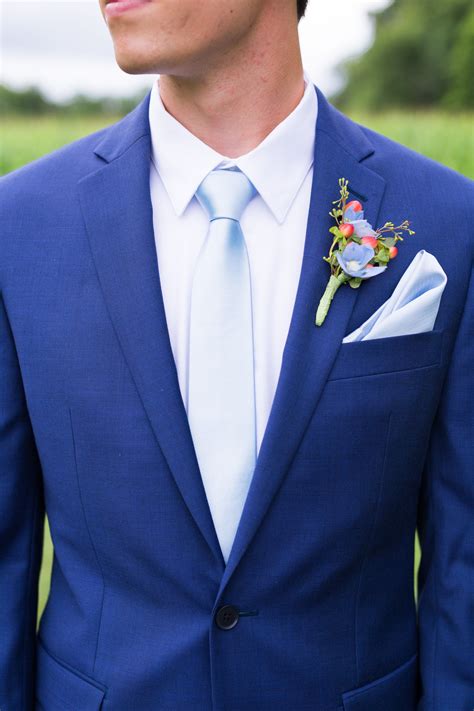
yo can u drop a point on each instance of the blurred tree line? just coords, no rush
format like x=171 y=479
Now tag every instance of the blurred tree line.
x=31 y=101
x=422 y=56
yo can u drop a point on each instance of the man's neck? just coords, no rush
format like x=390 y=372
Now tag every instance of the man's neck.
x=232 y=108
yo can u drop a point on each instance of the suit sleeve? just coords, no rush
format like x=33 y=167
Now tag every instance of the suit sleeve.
x=446 y=532
x=21 y=532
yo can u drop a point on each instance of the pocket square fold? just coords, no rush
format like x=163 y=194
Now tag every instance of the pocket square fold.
x=413 y=305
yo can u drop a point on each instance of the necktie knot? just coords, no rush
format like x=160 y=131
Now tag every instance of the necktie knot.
x=225 y=192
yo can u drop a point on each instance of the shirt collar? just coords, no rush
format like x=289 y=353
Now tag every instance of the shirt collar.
x=276 y=167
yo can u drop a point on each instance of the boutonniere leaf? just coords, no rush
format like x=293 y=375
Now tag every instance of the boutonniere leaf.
x=357 y=251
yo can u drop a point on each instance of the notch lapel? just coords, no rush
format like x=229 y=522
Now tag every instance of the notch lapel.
x=117 y=210
x=310 y=350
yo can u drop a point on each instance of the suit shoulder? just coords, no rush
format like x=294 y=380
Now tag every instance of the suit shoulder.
x=57 y=172
x=396 y=160
x=52 y=173
x=33 y=193
x=425 y=184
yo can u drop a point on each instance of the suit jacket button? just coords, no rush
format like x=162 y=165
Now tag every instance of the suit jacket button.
x=227 y=617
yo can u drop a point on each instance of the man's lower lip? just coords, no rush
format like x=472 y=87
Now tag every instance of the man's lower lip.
x=119 y=6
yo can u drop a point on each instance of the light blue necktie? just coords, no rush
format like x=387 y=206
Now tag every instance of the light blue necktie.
x=221 y=387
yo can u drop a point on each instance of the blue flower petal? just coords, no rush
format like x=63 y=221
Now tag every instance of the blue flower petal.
x=353 y=260
x=362 y=228
x=363 y=253
x=366 y=273
x=350 y=215
x=346 y=268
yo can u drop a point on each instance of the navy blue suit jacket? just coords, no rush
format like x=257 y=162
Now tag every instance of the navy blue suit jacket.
x=366 y=441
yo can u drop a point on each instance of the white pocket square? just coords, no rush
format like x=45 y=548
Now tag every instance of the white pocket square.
x=413 y=305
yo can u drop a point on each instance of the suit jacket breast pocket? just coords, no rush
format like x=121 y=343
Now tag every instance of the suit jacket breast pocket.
x=389 y=354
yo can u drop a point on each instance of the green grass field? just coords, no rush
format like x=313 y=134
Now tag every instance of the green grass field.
x=448 y=138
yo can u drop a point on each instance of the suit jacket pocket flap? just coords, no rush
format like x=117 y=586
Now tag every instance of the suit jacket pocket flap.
x=390 y=354
x=61 y=688
x=391 y=692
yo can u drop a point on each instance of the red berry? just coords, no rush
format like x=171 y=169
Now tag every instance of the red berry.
x=371 y=241
x=355 y=204
x=393 y=251
x=347 y=229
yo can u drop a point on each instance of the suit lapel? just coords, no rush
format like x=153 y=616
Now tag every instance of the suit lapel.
x=117 y=210
x=116 y=205
x=309 y=350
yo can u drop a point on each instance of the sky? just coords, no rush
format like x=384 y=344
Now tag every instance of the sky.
x=64 y=46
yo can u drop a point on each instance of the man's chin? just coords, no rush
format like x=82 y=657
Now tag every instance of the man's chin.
x=135 y=65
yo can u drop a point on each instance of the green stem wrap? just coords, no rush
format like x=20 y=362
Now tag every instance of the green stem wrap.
x=332 y=286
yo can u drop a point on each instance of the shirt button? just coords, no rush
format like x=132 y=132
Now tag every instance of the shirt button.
x=227 y=617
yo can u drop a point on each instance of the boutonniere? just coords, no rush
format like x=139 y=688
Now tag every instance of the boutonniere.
x=358 y=251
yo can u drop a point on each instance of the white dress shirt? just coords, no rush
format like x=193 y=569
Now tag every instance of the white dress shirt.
x=273 y=224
